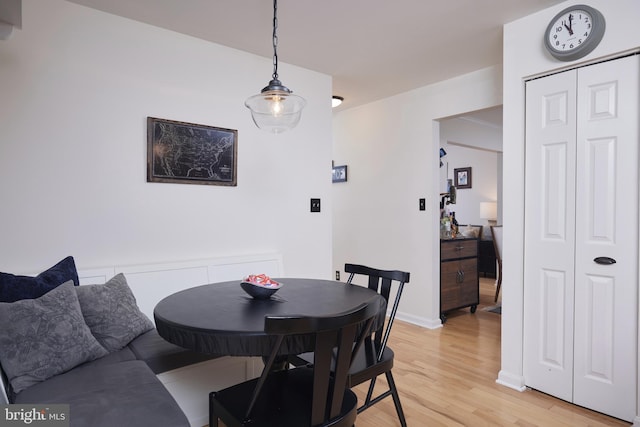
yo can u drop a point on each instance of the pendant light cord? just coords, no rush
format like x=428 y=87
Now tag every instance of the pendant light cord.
x=275 y=40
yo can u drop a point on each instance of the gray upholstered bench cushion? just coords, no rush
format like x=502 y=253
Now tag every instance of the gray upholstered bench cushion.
x=161 y=355
x=103 y=394
x=119 y=356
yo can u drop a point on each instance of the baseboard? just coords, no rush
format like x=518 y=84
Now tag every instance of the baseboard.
x=419 y=321
x=513 y=381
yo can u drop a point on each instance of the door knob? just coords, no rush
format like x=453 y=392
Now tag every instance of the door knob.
x=604 y=260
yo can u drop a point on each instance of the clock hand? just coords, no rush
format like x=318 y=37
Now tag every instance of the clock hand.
x=570 y=24
x=568 y=27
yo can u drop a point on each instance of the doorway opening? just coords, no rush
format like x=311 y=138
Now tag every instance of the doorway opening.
x=472 y=142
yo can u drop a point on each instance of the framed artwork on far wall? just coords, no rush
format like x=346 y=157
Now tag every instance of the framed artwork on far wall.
x=462 y=177
x=339 y=174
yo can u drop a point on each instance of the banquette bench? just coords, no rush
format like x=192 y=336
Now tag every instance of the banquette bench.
x=146 y=382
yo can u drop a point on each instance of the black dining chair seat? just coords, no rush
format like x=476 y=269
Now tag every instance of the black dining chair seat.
x=316 y=395
x=364 y=368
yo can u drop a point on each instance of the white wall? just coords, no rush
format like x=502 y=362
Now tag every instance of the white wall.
x=484 y=181
x=76 y=88
x=392 y=150
x=471 y=133
x=470 y=144
x=524 y=56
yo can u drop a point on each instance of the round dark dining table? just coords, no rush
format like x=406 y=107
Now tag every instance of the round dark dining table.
x=221 y=319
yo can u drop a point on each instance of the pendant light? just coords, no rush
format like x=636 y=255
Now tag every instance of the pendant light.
x=275 y=108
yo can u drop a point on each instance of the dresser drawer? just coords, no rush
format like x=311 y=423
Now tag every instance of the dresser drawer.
x=459 y=248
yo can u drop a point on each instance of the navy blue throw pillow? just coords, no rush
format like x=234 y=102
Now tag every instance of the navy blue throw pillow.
x=14 y=288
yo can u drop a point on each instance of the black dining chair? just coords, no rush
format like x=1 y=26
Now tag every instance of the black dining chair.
x=308 y=395
x=375 y=357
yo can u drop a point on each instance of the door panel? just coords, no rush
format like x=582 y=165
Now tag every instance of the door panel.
x=600 y=160
x=599 y=329
x=554 y=196
x=552 y=317
x=607 y=226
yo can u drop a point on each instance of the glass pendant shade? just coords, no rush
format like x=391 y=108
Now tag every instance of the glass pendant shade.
x=275 y=109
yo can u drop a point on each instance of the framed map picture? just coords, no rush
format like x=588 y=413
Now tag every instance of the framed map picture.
x=188 y=153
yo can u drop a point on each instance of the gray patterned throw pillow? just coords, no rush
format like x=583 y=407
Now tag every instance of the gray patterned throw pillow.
x=43 y=337
x=112 y=314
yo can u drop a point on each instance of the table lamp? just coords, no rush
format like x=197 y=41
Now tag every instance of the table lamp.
x=489 y=211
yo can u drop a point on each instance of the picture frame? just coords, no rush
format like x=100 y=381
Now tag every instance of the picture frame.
x=462 y=178
x=189 y=153
x=339 y=173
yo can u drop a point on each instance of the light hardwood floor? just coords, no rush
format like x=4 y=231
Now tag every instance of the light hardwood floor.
x=446 y=377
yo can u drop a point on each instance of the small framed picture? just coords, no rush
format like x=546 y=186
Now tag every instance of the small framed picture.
x=462 y=177
x=339 y=174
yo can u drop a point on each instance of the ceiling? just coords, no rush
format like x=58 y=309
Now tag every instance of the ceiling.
x=372 y=48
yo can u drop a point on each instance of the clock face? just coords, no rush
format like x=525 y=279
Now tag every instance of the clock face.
x=574 y=32
x=570 y=30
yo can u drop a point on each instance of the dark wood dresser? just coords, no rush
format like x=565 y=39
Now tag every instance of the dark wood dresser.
x=459 y=282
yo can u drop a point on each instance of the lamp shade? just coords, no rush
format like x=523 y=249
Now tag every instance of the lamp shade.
x=276 y=110
x=489 y=210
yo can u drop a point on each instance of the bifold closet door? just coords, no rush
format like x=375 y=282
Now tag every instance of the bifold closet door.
x=550 y=233
x=581 y=236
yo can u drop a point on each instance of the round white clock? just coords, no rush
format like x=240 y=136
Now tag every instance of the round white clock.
x=574 y=32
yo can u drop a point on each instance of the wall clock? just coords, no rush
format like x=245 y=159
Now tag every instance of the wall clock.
x=574 y=32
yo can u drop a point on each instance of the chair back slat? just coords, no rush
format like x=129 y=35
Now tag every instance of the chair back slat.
x=321 y=375
x=341 y=370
